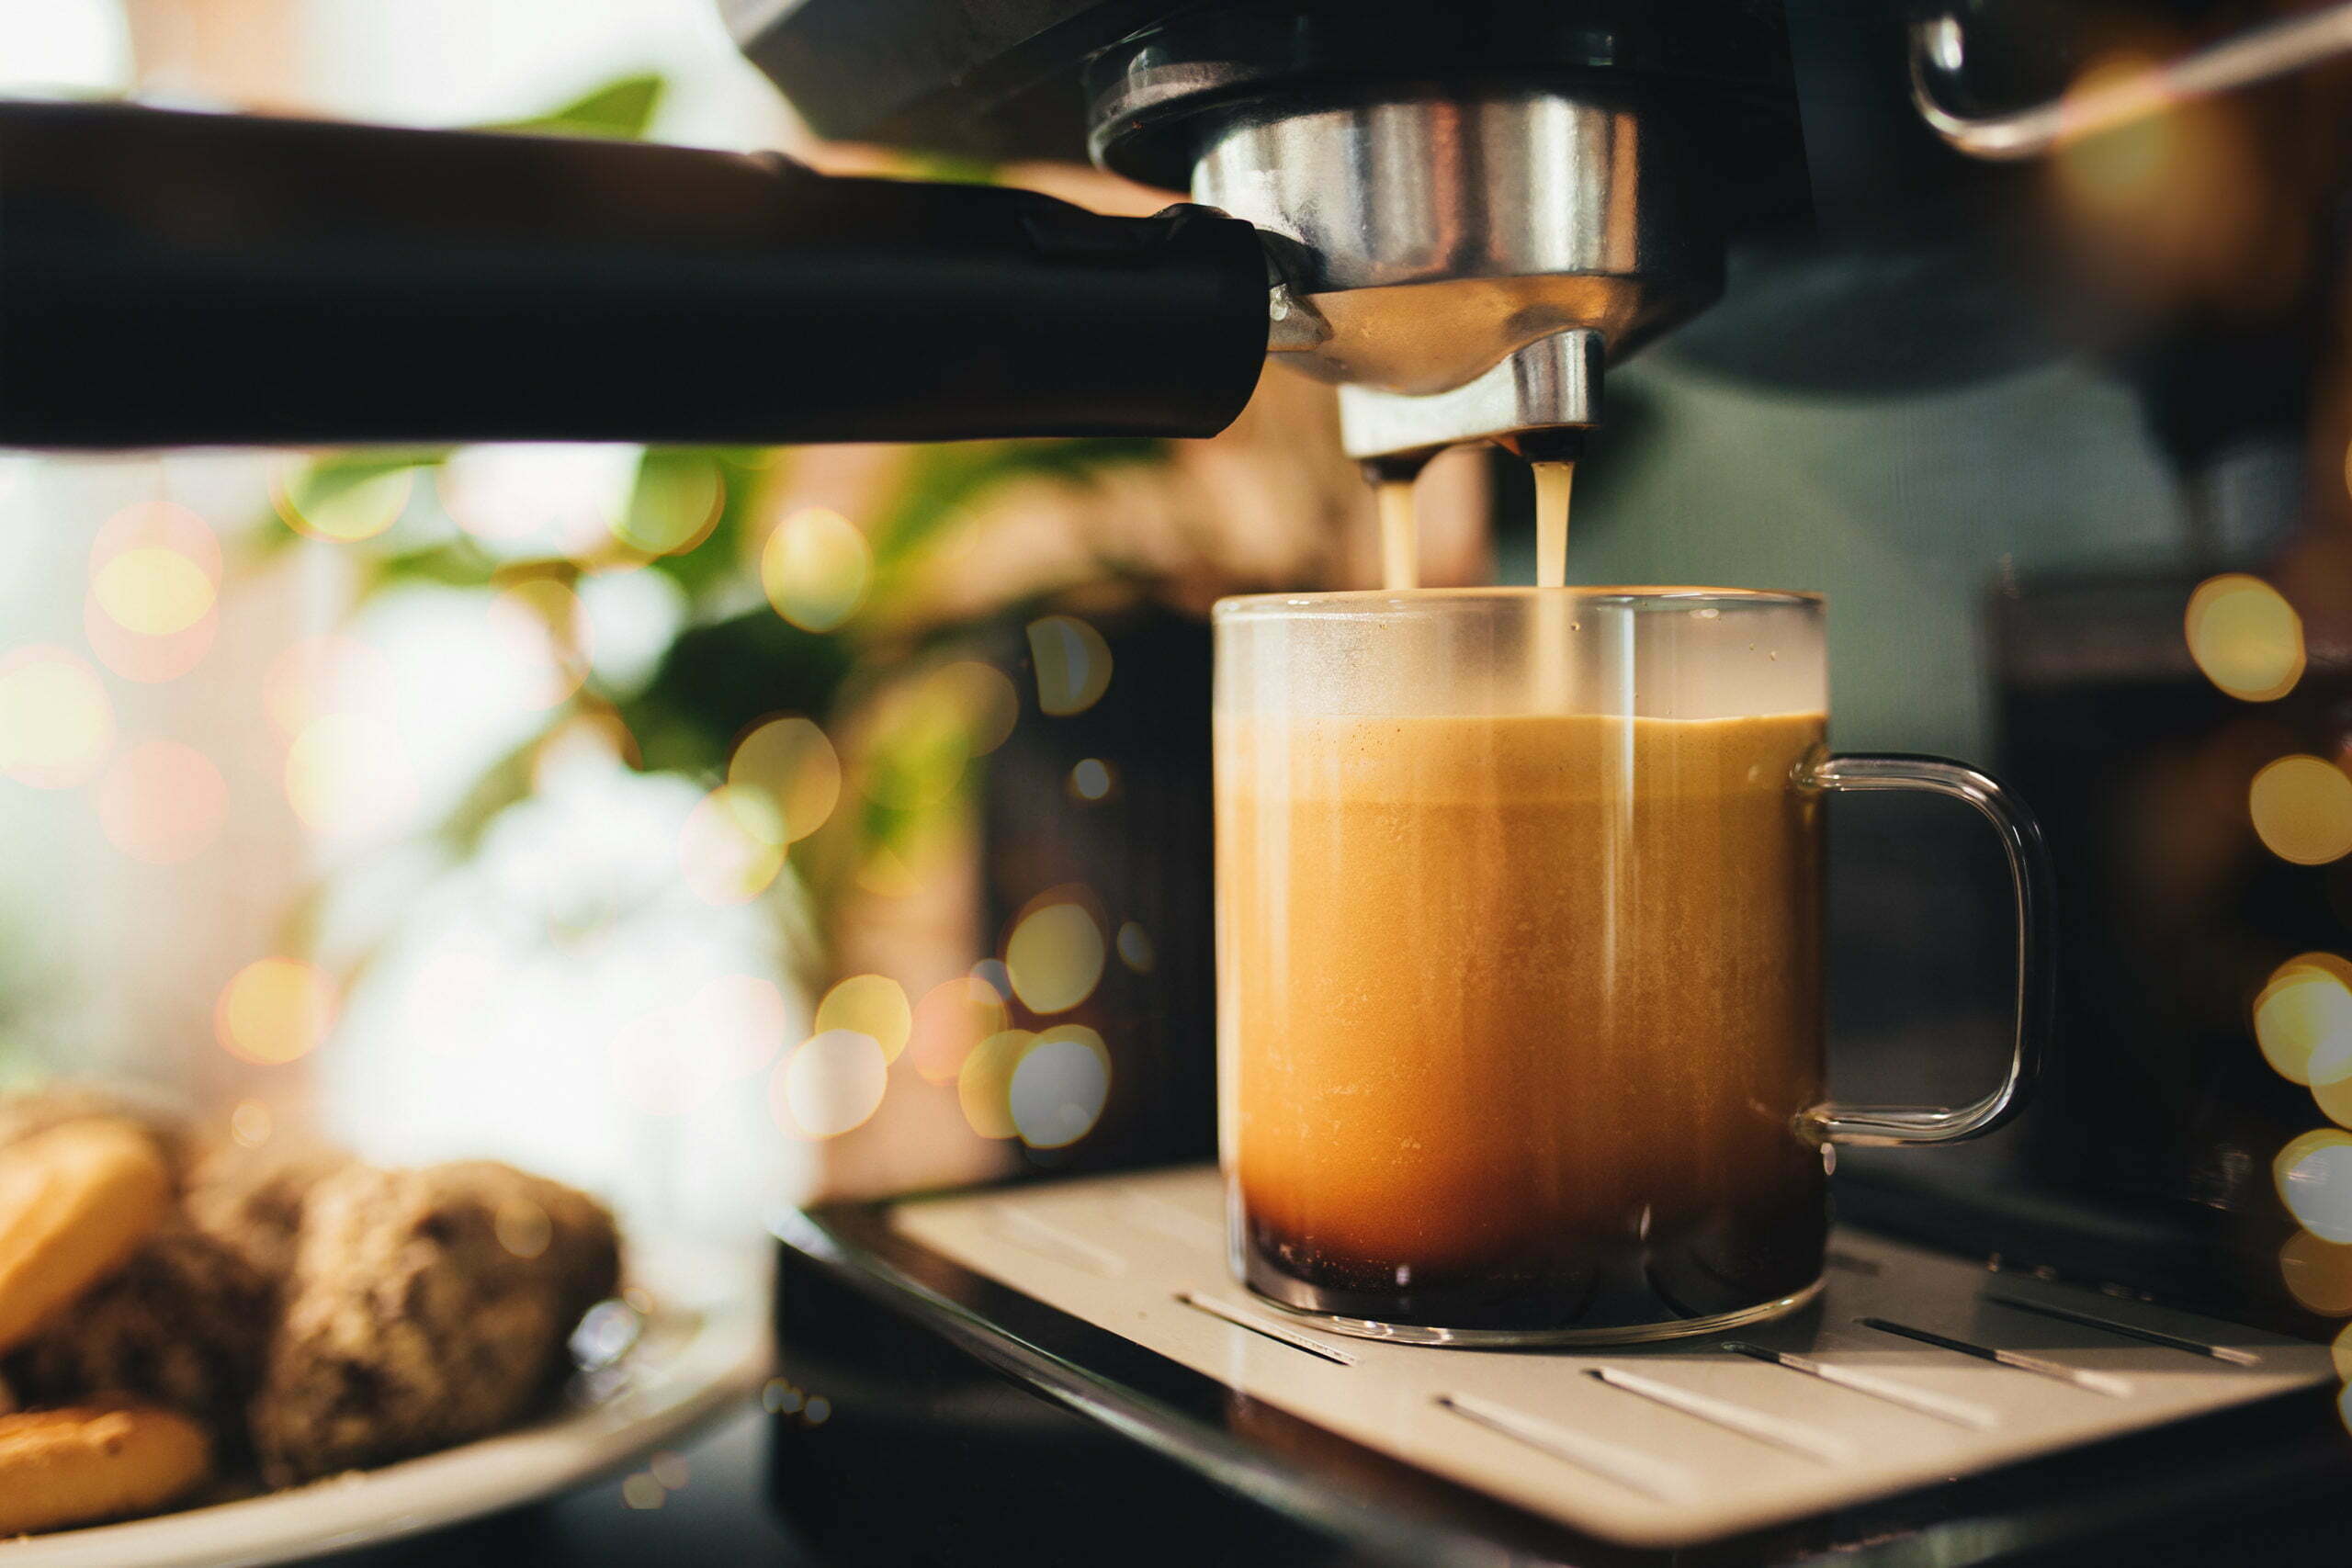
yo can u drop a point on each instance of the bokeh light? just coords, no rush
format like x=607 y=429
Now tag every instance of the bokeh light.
x=732 y=846
x=832 y=1083
x=347 y=776
x=816 y=567
x=555 y=497
x=2318 y=1274
x=56 y=722
x=984 y=1083
x=152 y=592
x=1058 y=1087
x=251 y=1123
x=1090 y=778
x=871 y=1005
x=1072 y=661
x=275 y=1010
x=2244 y=636
x=1054 y=957
x=791 y=761
x=951 y=1020
x=162 y=803
x=340 y=503
x=919 y=742
x=674 y=504
x=2314 y=1175
x=982 y=697
x=1135 y=948
x=2302 y=1020
x=2302 y=809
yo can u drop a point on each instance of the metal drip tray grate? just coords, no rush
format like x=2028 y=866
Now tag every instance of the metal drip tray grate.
x=1913 y=1368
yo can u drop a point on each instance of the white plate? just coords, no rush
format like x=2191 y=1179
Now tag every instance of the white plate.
x=705 y=1347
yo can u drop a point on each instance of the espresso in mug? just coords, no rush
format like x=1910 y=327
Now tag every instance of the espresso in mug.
x=1522 y=1014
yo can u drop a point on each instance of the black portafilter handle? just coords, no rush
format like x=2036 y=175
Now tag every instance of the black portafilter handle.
x=183 y=279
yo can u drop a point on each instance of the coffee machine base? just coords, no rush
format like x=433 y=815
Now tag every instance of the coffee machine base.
x=1092 y=1382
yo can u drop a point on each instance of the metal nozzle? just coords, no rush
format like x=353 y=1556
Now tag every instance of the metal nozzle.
x=1463 y=264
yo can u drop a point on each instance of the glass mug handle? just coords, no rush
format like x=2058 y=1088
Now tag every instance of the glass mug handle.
x=1884 y=1125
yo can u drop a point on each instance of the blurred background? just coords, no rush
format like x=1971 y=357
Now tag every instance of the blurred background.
x=725 y=827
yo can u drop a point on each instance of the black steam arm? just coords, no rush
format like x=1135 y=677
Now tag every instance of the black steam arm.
x=171 y=279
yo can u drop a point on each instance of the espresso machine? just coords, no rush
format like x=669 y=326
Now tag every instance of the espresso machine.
x=1467 y=217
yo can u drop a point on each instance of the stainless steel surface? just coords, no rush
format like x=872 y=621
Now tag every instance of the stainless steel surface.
x=1552 y=383
x=1439 y=235
x=2031 y=997
x=1939 y=51
x=1914 y=1368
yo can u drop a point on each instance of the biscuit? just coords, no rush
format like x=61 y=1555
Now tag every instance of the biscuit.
x=23 y=1115
x=75 y=1202
x=252 y=1199
x=80 y=1465
x=426 y=1308
x=184 y=1324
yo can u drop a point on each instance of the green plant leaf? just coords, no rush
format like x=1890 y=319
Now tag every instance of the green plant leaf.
x=620 y=110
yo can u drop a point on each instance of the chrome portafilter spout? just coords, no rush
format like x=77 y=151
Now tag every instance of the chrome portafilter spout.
x=1465 y=263
x=1476 y=205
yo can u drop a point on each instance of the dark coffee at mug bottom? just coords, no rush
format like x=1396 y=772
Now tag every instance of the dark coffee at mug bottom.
x=1524 y=1015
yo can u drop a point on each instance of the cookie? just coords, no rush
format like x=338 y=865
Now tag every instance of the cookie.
x=184 y=1324
x=23 y=1115
x=75 y=1202
x=252 y=1199
x=80 y=1465
x=426 y=1308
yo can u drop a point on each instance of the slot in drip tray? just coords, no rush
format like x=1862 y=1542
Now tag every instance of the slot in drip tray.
x=1913 y=1368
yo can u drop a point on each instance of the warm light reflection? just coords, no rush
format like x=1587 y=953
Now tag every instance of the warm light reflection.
x=275 y=1010
x=150 y=661
x=348 y=775
x=791 y=761
x=1055 y=957
x=340 y=504
x=152 y=592
x=732 y=846
x=984 y=1084
x=983 y=699
x=1058 y=1087
x=162 y=802
x=2318 y=1274
x=674 y=506
x=1073 y=665
x=2245 y=637
x=951 y=1020
x=555 y=497
x=2314 y=1175
x=816 y=567
x=2302 y=808
x=871 y=1005
x=55 y=721
x=2303 y=1018
x=251 y=1123
x=919 y=747
x=831 y=1082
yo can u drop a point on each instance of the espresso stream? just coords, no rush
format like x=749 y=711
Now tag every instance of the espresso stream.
x=1523 y=1013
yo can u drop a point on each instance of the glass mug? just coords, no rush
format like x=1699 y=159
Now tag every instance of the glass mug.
x=1520 y=958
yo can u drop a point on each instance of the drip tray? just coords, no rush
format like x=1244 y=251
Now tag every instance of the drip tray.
x=1912 y=1367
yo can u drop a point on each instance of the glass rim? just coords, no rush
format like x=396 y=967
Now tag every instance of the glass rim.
x=1372 y=602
